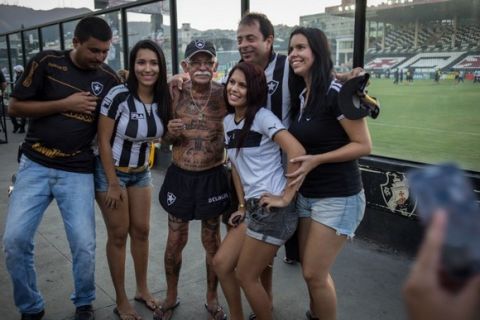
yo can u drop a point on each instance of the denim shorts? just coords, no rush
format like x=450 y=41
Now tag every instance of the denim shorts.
x=126 y=180
x=343 y=214
x=275 y=226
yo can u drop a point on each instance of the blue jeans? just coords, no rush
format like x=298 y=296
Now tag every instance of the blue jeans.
x=36 y=186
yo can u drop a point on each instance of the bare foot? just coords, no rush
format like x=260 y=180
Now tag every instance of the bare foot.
x=148 y=300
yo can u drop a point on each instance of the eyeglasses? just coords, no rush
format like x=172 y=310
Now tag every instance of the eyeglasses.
x=198 y=64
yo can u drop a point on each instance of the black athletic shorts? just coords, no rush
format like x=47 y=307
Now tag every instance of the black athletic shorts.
x=195 y=195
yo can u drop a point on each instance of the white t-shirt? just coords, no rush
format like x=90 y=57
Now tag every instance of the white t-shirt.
x=259 y=160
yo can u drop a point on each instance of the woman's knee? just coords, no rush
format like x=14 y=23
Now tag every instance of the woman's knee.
x=244 y=277
x=217 y=265
x=315 y=277
x=140 y=233
x=118 y=237
x=221 y=265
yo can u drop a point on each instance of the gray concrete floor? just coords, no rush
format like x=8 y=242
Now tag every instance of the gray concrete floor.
x=368 y=279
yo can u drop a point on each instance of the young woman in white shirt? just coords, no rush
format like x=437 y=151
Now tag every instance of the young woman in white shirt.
x=254 y=138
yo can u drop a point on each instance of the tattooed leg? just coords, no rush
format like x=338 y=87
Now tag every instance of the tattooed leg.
x=177 y=239
x=211 y=243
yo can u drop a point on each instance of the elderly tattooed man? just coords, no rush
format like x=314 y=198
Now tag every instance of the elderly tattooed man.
x=195 y=185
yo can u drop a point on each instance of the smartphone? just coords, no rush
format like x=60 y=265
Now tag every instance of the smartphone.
x=446 y=187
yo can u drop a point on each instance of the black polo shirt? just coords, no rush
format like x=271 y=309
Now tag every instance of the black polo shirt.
x=319 y=130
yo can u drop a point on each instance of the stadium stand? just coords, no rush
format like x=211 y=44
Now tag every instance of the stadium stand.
x=424 y=36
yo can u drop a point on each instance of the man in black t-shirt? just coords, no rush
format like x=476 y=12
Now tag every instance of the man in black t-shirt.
x=61 y=92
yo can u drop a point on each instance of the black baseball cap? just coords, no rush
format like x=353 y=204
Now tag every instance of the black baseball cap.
x=196 y=46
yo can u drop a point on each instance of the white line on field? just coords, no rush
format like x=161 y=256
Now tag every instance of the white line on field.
x=425 y=129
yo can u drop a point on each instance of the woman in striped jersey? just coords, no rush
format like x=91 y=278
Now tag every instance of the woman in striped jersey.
x=132 y=116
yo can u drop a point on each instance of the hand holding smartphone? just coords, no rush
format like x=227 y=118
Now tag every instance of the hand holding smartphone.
x=445 y=187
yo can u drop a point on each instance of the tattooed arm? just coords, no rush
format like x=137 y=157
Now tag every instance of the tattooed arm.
x=176 y=126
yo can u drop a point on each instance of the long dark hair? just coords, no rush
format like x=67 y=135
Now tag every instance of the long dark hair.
x=321 y=71
x=161 y=94
x=256 y=96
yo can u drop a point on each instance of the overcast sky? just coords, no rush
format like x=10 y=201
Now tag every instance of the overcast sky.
x=189 y=10
x=209 y=14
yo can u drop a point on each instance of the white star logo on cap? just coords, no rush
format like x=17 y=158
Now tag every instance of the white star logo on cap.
x=200 y=44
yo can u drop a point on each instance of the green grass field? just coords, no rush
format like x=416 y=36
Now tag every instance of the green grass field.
x=427 y=122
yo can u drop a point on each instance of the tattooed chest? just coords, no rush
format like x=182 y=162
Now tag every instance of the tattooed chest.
x=199 y=153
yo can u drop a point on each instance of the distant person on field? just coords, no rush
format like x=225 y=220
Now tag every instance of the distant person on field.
x=395 y=76
x=476 y=76
x=437 y=75
x=461 y=76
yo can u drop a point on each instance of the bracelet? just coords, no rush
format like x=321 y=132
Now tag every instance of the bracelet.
x=241 y=206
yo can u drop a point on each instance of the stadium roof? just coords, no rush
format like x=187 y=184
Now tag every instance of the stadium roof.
x=404 y=11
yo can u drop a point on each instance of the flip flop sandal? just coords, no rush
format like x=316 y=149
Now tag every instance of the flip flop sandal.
x=288 y=261
x=165 y=313
x=148 y=303
x=126 y=316
x=252 y=316
x=217 y=314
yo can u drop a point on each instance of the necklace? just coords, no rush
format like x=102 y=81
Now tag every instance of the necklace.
x=201 y=115
x=238 y=117
x=148 y=108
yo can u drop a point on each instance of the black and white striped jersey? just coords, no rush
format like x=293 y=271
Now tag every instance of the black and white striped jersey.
x=278 y=99
x=136 y=125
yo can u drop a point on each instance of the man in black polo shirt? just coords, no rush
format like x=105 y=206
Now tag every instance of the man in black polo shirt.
x=61 y=92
